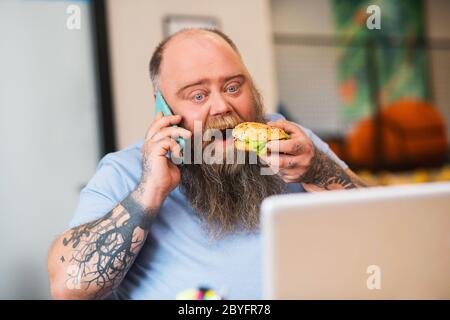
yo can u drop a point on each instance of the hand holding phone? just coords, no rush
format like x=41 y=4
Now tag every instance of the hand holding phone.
x=160 y=174
x=161 y=106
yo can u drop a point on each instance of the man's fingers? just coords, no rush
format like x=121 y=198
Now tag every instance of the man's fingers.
x=158 y=116
x=279 y=161
x=291 y=146
x=172 y=132
x=287 y=173
x=176 y=150
x=160 y=123
x=289 y=127
x=165 y=145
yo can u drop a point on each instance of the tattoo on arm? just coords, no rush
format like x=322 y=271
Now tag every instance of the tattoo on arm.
x=325 y=174
x=102 y=251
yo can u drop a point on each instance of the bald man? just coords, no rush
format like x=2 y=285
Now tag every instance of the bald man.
x=147 y=227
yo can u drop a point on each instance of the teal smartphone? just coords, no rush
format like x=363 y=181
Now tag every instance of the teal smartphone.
x=161 y=105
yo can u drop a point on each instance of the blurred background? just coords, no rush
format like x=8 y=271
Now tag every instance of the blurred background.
x=74 y=85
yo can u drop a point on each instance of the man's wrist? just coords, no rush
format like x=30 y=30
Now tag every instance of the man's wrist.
x=150 y=198
x=326 y=174
x=310 y=175
x=138 y=213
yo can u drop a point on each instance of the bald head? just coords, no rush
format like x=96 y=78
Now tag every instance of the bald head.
x=192 y=35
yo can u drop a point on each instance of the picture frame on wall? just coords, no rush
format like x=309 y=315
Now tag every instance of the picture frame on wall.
x=175 y=23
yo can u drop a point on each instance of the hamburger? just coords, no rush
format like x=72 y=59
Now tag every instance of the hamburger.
x=253 y=136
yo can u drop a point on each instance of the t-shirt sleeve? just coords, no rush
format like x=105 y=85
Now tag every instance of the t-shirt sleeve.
x=103 y=192
x=319 y=143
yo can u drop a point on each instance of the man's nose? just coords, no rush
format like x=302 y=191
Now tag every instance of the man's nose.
x=218 y=105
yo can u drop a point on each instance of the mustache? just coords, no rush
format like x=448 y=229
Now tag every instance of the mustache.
x=219 y=126
x=222 y=122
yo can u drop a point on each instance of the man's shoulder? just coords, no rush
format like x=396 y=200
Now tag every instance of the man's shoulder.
x=129 y=153
x=125 y=161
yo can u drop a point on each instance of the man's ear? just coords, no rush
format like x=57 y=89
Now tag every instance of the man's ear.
x=154 y=96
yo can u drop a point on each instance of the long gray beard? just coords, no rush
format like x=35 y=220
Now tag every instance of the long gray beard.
x=227 y=197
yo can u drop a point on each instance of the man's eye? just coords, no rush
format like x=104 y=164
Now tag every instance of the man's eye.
x=199 y=97
x=232 y=89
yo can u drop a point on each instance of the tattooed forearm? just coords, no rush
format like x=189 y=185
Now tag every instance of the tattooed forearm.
x=101 y=252
x=325 y=174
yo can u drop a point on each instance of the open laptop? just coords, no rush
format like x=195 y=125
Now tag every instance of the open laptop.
x=375 y=243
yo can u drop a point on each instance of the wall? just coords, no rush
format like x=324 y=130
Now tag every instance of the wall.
x=306 y=75
x=437 y=15
x=135 y=30
x=49 y=137
x=311 y=17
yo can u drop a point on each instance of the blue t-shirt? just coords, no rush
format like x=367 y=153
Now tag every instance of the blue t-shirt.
x=178 y=253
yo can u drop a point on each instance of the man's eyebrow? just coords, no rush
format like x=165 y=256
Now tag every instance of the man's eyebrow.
x=203 y=81
x=199 y=82
x=234 y=76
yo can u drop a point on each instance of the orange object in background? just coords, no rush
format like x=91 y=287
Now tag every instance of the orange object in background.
x=413 y=134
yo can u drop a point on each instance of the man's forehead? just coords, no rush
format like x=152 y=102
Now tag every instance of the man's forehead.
x=190 y=57
x=197 y=39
